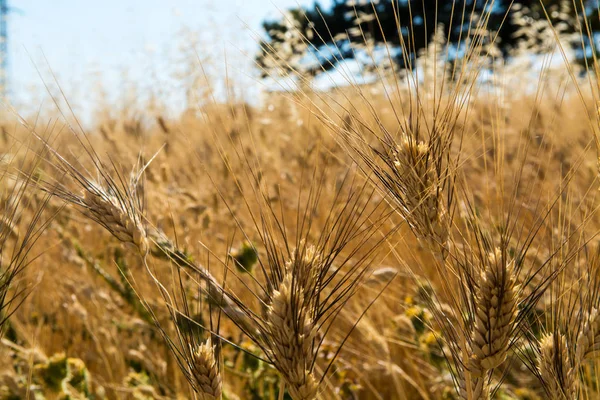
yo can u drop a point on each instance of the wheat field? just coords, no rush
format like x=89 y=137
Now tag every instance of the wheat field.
x=429 y=234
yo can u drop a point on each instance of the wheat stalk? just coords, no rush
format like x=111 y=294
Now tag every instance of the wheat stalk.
x=117 y=205
x=198 y=360
x=215 y=293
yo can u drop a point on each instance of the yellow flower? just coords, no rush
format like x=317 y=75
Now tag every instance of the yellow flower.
x=429 y=338
x=413 y=312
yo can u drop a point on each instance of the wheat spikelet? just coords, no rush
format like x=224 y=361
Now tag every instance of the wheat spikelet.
x=205 y=372
x=495 y=314
x=292 y=329
x=554 y=366
x=588 y=339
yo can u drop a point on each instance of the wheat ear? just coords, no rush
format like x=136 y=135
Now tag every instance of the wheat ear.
x=114 y=203
x=205 y=373
x=292 y=329
x=588 y=339
x=108 y=212
x=554 y=366
x=420 y=190
x=495 y=315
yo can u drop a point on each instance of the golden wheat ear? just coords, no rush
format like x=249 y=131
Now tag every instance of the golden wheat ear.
x=117 y=204
x=291 y=326
x=497 y=288
x=495 y=308
x=111 y=200
x=555 y=367
x=414 y=173
x=569 y=346
x=307 y=271
x=206 y=373
x=481 y=341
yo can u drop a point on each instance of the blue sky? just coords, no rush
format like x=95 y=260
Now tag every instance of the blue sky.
x=117 y=42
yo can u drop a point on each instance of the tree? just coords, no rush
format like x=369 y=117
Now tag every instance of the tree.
x=322 y=38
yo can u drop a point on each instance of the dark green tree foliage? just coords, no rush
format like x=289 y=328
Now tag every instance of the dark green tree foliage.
x=316 y=39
